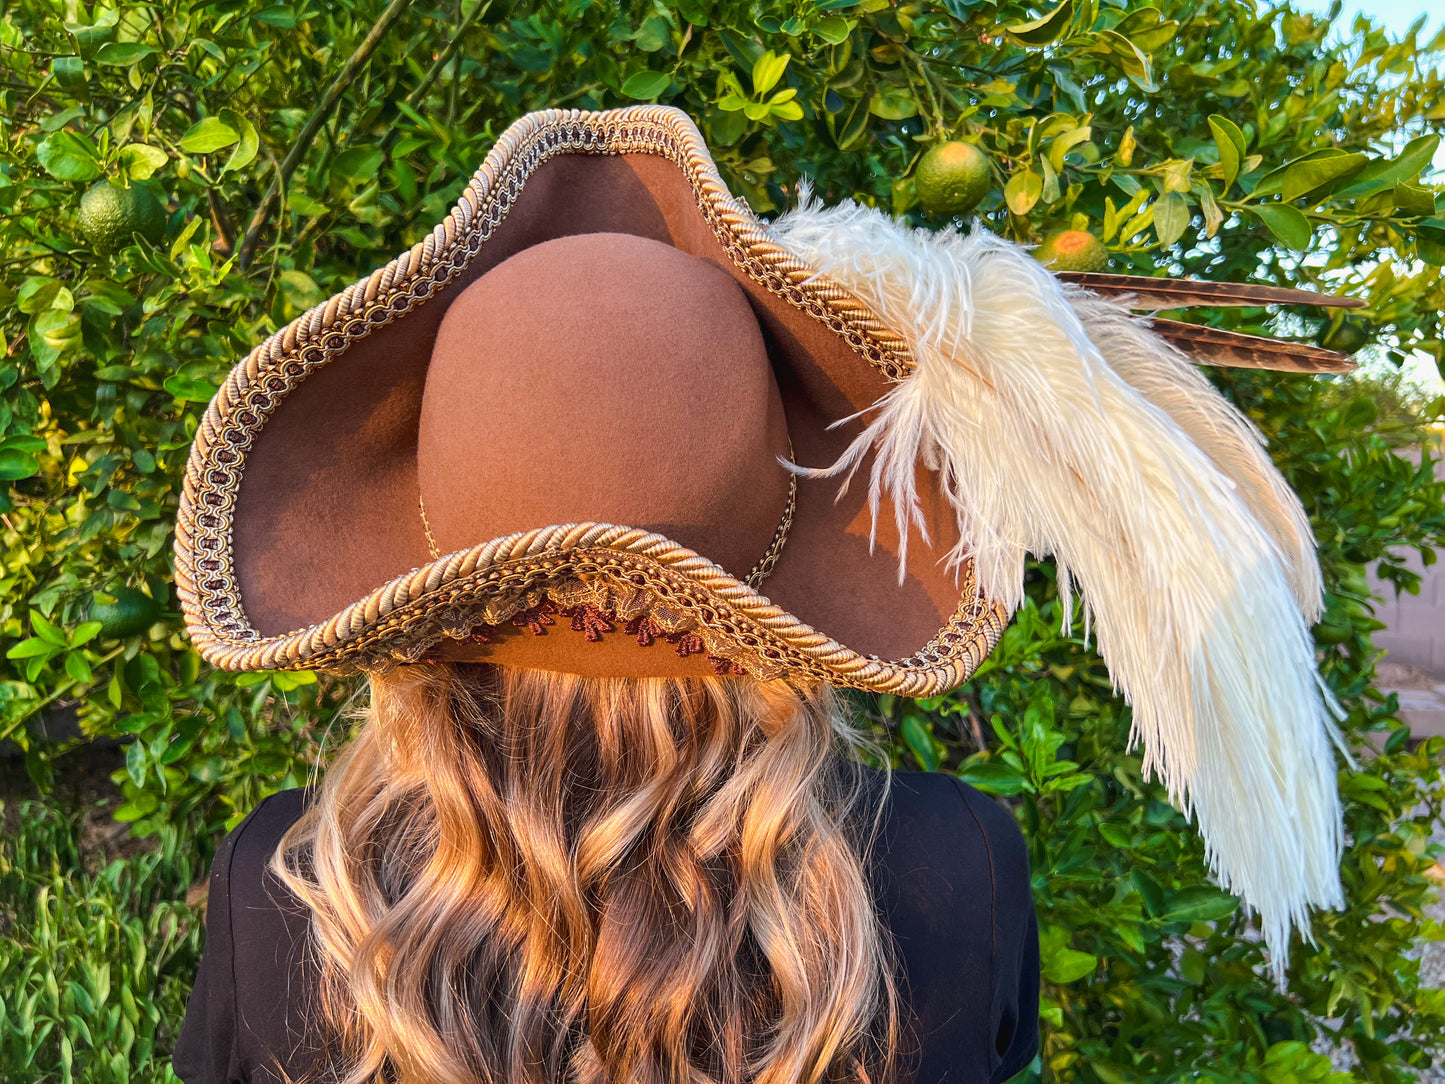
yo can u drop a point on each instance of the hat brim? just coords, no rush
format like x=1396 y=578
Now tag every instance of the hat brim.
x=319 y=560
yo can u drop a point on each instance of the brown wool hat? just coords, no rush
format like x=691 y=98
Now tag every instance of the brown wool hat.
x=551 y=435
x=586 y=377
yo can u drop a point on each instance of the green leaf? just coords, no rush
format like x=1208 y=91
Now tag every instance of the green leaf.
x=1148 y=29
x=189 y=389
x=41 y=292
x=1045 y=29
x=1137 y=66
x=1306 y=176
x=136 y=762
x=1382 y=175
x=786 y=110
x=1116 y=835
x=1430 y=242
x=207 y=135
x=85 y=632
x=33 y=648
x=1171 y=217
x=25 y=442
x=67 y=156
x=88 y=37
x=916 y=734
x=53 y=333
x=139 y=161
x=355 y=165
x=78 y=667
x=142 y=805
x=1289 y=225
x=1064 y=143
x=123 y=54
x=1023 y=191
x=248 y=143
x=767 y=70
x=1199 y=903
x=15 y=464
x=848 y=134
x=69 y=72
x=47 y=630
x=893 y=103
x=646 y=85
x=1230 y=142
x=654 y=34
x=992 y=775
x=1149 y=891
x=1412 y=200
x=834 y=29
x=1069 y=965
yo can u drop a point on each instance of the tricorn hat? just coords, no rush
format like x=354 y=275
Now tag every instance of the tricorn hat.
x=595 y=421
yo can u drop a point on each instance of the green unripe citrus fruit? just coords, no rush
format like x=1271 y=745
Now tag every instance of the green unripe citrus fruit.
x=110 y=216
x=132 y=611
x=1072 y=250
x=1334 y=626
x=1347 y=338
x=951 y=178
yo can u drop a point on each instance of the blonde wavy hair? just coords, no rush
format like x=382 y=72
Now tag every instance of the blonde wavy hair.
x=525 y=877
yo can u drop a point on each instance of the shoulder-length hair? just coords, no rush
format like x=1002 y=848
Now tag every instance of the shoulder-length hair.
x=525 y=877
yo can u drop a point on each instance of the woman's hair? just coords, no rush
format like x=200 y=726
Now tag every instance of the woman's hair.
x=525 y=877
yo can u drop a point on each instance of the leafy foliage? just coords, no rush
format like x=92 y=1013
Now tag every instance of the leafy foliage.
x=96 y=966
x=1196 y=136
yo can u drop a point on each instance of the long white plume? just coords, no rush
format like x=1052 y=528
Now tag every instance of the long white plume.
x=1059 y=425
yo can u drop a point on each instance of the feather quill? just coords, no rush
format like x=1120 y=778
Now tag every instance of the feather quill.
x=1058 y=429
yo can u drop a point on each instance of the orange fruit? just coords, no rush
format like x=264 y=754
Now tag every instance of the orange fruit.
x=110 y=217
x=951 y=178
x=1072 y=250
x=132 y=611
x=1347 y=338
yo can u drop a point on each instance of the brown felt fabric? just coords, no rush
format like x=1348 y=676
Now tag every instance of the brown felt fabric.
x=604 y=378
x=327 y=507
x=560 y=648
x=326 y=510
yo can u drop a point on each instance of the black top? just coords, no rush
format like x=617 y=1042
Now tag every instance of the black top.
x=951 y=875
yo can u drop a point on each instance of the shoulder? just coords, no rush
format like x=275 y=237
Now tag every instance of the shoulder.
x=952 y=873
x=255 y=935
x=939 y=818
x=273 y=974
x=244 y=893
x=246 y=852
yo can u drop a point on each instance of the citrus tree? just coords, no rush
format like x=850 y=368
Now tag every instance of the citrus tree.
x=179 y=179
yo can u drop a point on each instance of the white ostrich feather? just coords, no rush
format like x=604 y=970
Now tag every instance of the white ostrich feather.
x=1167 y=378
x=1060 y=426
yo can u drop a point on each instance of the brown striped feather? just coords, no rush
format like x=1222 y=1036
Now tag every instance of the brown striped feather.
x=1214 y=346
x=1145 y=292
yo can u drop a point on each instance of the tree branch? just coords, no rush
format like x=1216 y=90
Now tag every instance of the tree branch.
x=452 y=46
x=298 y=150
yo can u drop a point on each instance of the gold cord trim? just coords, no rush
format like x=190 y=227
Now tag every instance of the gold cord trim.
x=760 y=571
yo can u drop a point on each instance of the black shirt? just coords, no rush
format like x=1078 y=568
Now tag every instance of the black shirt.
x=950 y=874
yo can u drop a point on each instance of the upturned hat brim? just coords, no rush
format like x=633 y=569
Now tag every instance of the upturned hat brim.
x=298 y=541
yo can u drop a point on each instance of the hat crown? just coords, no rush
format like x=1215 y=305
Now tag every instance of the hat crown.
x=608 y=378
